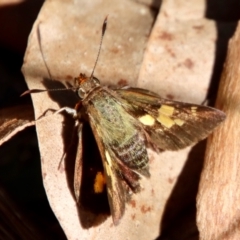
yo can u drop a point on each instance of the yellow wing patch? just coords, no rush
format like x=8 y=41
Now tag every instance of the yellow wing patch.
x=165 y=114
x=147 y=120
x=166 y=110
x=194 y=110
x=179 y=122
x=108 y=158
x=165 y=120
x=108 y=166
x=165 y=117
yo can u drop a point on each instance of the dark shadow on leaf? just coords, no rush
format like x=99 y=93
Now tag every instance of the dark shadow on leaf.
x=93 y=208
x=65 y=99
x=179 y=218
x=226 y=14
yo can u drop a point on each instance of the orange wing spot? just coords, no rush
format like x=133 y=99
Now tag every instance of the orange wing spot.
x=99 y=182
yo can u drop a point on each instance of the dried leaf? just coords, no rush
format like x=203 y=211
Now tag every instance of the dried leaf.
x=14 y=120
x=69 y=43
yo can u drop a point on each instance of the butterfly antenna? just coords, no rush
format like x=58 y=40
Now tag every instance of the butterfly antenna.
x=41 y=50
x=104 y=27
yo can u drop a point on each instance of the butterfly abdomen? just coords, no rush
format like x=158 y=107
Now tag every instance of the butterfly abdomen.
x=133 y=153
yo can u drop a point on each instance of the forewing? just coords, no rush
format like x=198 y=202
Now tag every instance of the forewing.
x=122 y=147
x=115 y=191
x=171 y=125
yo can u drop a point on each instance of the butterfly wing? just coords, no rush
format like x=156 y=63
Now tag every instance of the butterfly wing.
x=171 y=125
x=115 y=191
x=122 y=147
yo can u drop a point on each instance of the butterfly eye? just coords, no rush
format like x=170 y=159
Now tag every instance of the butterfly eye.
x=81 y=93
x=96 y=81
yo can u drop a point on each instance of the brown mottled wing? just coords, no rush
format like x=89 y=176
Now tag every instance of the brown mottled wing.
x=171 y=125
x=115 y=191
x=122 y=147
x=116 y=194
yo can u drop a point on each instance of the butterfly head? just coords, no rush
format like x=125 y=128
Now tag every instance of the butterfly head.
x=85 y=85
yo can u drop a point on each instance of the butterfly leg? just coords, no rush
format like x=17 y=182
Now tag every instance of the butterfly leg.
x=68 y=110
